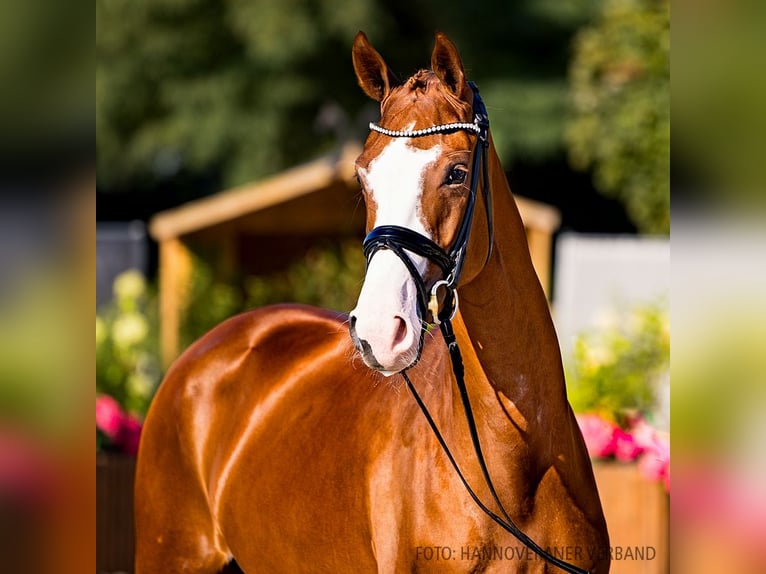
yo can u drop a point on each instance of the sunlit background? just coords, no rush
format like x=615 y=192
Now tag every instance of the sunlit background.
x=226 y=134
x=194 y=97
x=718 y=296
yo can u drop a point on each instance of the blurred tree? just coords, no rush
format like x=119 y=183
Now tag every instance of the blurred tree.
x=199 y=85
x=518 y=53
x=46 y=100
x=620 y=92
x=243 y=88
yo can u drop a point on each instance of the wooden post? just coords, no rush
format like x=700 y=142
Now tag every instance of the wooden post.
x=540 y=222
x=636 y=512
x=175 y=273
x=115 y=542
x=539 y=241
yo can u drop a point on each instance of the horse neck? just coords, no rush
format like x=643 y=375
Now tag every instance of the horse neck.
x=511 y=349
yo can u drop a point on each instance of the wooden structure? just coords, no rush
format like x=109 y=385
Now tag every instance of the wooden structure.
x=637 y=513
x=115 y=542
x=259 y=226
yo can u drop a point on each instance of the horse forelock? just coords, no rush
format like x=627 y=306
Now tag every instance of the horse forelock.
x=421 y=81
x=425 y=100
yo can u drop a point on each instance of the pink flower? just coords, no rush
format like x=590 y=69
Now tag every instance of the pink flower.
x=643 y=433
x=599 y=435
x=122 y=429
x=130 y=435
x=109 y=416
x=626 y=448
x=655 y=462
x=28 y=470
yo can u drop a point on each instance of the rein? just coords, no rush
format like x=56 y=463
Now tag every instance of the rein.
x=400 y=240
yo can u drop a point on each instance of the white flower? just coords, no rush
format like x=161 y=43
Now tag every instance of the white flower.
x=139 y=385
x=129 y=285
x=597 y=353
x=129 y=329
x=607 y=319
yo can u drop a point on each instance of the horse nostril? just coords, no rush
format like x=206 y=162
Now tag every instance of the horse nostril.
x=352 y=331
x=401 y=330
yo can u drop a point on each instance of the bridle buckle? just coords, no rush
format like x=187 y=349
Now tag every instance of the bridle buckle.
x=433 y=302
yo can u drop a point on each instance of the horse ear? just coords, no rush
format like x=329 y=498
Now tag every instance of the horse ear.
x=446 y=64
x=371 y=70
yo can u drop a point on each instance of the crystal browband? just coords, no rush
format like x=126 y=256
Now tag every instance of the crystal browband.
x=426 y=131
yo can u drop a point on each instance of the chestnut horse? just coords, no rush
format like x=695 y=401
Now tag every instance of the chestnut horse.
x=277 y=443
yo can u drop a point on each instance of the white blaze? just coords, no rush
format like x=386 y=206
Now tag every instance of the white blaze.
x=394 y=181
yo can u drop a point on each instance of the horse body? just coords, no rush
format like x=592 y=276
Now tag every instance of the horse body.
x=272 y=443
x=273 y=452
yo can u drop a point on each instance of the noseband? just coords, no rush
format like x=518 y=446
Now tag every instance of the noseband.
x=401 y=240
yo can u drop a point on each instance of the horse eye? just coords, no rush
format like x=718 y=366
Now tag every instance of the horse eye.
x=456 y=176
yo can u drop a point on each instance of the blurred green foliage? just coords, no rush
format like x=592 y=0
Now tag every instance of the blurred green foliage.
x=719 y=374
x=244 y=88
x=719 y=90
x=127 y=347
x=200 y=85
x=232 y=91
x=620 y=93
x=615 y=370
x=46 y=67
x=329 y=276
x=41 y=385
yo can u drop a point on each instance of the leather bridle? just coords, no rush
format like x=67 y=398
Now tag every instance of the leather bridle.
x=401 y=240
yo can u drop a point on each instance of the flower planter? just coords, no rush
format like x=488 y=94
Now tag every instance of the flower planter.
x=114 y=512
x=636 y=511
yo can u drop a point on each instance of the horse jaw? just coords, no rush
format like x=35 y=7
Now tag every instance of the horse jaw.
x=386 y=325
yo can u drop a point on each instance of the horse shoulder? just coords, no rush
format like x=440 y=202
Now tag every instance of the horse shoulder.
x=240 y=363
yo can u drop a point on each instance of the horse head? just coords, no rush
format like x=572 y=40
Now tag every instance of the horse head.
x=418 y=173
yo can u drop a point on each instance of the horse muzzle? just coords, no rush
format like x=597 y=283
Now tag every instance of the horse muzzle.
x=386 y=326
